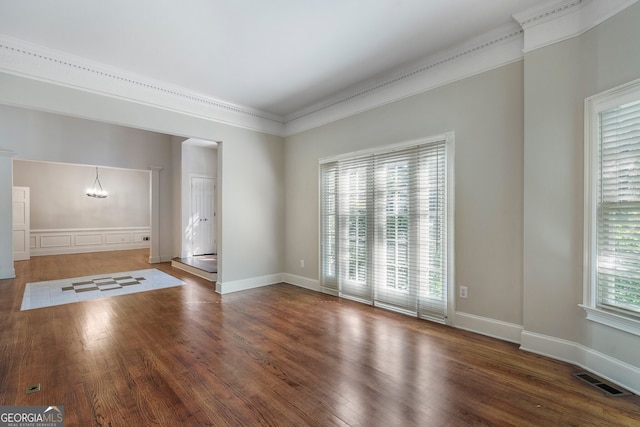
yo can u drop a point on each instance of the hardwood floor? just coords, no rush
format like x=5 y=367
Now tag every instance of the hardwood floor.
x=278 y=355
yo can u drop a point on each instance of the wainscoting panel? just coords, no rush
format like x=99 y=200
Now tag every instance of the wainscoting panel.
x=117 y=238
x=89 y=239
x=70 y=241
x=56 y=240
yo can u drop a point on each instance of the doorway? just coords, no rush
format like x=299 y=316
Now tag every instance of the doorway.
x=63 y=220
x=203 y=215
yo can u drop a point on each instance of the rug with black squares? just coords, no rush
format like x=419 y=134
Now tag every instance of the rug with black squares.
x=65 y=291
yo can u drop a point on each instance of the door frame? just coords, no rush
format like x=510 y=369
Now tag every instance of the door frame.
x=214 y=228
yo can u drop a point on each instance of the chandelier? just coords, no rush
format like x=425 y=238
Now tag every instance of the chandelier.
x=96 y=191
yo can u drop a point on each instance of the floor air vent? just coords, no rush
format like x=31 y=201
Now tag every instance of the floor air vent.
x=608 y=388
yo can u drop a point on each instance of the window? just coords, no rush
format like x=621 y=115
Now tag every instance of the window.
x=612 y=208
x=385 y=224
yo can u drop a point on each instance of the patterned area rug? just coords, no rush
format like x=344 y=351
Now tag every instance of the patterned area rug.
x=65 y=291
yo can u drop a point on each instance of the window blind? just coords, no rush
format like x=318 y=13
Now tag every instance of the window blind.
x=328 y=225
x=355 y=231
x=384 y=228
x=618 y=210
x=434 y=245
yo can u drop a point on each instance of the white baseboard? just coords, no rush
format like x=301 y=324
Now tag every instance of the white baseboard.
x=245 y=284
x=311 y=284
x=486 y=326
x=607 y=367
x=303 y=282
x=87 y=249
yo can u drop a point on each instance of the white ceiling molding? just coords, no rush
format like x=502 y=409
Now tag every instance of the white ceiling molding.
x=29 y=60
x=556 y=21
x=549 y=23
x=488 y=51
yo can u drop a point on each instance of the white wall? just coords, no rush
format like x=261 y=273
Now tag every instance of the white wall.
x=58 y=198
x=558 y=78
x=176 y=186
x=251 y=179
x=36 y=135
x=486 y=114
x=252 y=208
x=6 y=212
x=199 y=160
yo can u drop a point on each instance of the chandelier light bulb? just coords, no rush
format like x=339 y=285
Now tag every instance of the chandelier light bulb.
x=96 y=191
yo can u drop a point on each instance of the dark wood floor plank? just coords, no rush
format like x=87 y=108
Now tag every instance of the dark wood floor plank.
x=273 y=356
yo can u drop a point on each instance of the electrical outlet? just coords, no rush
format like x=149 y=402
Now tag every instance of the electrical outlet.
x=145 y=238
x=464 y=291
x=301 y=263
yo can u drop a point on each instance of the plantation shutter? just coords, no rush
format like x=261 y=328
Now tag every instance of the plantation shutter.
x=384 y=228
x=618 y=210
x=396 y=276
x=432 y=230
x=355 y=227
x=328 y=225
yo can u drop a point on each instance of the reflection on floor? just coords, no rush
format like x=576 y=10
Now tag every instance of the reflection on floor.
x=205 y=266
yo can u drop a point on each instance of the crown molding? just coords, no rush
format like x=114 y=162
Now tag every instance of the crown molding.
x=541 y=26
x=25 y=59
x=556 y=21
x=546 y=12
x=488 y=51
x=549 y=23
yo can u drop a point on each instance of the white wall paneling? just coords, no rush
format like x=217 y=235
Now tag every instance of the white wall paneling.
x=69 y=241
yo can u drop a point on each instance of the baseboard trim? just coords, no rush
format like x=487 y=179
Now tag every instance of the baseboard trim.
x=76 y=250
x=246 y=284
x=607 y=367
x=490 y=327
x=300 y=281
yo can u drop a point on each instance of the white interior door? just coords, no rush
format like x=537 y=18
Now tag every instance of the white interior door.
x=21 y=223
x=203 y=216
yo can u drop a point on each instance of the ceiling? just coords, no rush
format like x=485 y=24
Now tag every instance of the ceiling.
x=276 y=56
